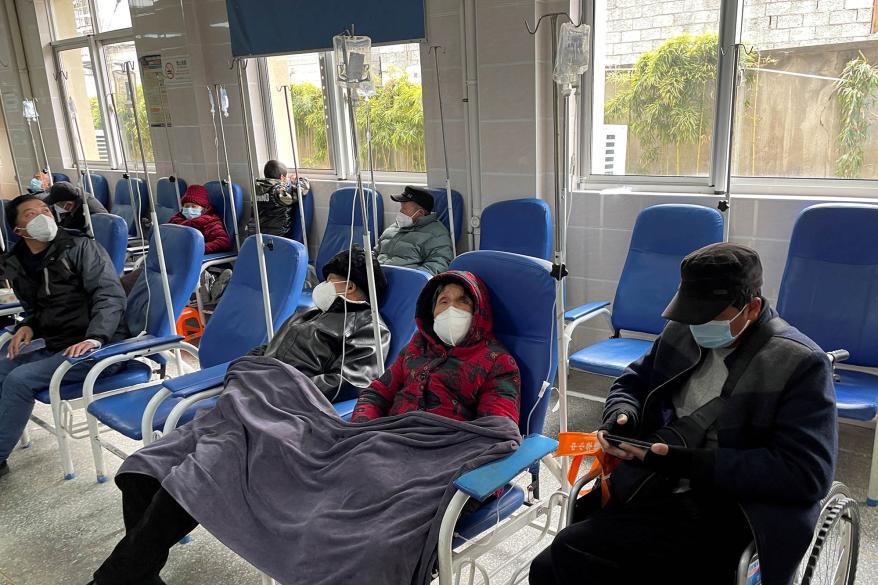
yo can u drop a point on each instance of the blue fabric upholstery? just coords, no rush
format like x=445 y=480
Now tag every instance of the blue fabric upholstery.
x=219 y=199
x=397 y=308
x=484 y=481
x=609 y=357
x=9 y=237
x=184 y=251
x=238 y=324
x=523 y=321
x=306 y=300
x=485 y=517
x=440 y=208
x=132 y=372
x=308 y=205
x=166 y=202
x=56 y=177
x=128 y=206
x=522 y=226
x=343 y=207
x=102 y=188
x=111 y=232
x=829 y=285
x=663 y=235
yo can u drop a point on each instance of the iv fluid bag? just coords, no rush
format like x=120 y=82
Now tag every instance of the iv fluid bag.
x=352 y=59
x=573 y=50
x=224 y=101
x=29 y=110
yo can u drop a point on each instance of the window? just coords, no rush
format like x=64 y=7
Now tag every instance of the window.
x=655 y=68
x=806 y=105
x=395 y=111
x=93 y=41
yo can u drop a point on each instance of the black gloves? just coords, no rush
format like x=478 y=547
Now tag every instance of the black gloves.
x=610 y=425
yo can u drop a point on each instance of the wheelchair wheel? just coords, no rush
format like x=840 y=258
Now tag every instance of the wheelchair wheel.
x=833 y=556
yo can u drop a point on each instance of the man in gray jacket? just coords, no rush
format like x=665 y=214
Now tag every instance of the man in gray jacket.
x=73 y=303
x=417 y=239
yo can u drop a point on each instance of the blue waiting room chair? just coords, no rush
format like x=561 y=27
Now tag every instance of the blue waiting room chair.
x=308 y=208
x=520 y=226
x=440 y=208
x=167 y=204
x=132 y=207
x=663 y=235
x=101 y=188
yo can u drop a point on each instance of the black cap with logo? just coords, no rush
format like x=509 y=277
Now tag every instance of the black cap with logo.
x=415 y=195
x=711 y=279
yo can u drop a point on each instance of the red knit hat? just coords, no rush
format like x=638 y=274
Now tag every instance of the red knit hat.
x=196 y=194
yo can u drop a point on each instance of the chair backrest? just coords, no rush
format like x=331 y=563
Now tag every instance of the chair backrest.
x=111 y=232
x=238 y=324
x=166 y=203
x=343 y=206
x=521 y=226
x=131 y=206
x=830 y=281
x=219 y=199
x=440 y=208
x=184 y=253
x=57 y=177
x=308 y=205
x=663 y=235
x=9 y=237
x=397 y=308
x=524 y=321
x=102 y=188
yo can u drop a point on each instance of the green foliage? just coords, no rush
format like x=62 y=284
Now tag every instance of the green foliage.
x=310 y=119
x=857 y=96
x=126 y=121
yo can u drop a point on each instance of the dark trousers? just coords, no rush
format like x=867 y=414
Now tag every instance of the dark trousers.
x=154 y=522
x=675 y=539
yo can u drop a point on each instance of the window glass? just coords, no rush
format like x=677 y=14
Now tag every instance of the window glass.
x=112 y=14
x=71 y=18
x=302 y=74
x=82 y=89
x=116 y=57
x=655 y=67
x=807 y=100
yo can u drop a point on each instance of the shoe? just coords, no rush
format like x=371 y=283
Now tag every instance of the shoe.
x=4 y=469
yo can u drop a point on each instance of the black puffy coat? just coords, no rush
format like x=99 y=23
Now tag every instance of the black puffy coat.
x=276 y=205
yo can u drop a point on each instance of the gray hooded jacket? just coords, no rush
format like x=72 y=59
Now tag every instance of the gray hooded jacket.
x=424 y=245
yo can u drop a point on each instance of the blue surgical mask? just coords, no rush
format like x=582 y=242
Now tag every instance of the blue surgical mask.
x=36 y=184
x=191 y=212
x=716 y=334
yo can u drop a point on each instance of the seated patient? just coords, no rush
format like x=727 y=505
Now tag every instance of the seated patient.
x=198 y=213
x=66 y=203
x=312 y=341
x=465 y=373
x=73 y=303
x=39 y=183
x=741 y=408
x=417 y=239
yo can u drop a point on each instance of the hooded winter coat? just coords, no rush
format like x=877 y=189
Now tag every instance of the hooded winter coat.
x=63 y=191
x=208 y=223
x=477 y=378
x=424 y=245
x=276 y=204
x=76 y=294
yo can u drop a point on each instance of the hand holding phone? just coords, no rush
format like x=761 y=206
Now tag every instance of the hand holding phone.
x=616 y=440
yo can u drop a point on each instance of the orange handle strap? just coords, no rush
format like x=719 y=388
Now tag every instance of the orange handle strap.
x=582 y=445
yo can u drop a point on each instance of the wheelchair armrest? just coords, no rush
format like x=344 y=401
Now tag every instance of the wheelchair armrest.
x=127 y=346
x=484 y=481
x=345 y=409
x=583 y=310
x=191 y=384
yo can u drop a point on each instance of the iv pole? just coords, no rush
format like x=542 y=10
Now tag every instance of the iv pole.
x=11 y=146
x=127 y=176
x=451 y=226
x=291 y=124
x=79 y=149
x=174 y=178
x=260 y=251
x=222 y=98
x=31 y=114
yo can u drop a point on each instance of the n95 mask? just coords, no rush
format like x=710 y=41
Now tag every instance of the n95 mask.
x=452 y=325
x=324 y=295
x=42 y=228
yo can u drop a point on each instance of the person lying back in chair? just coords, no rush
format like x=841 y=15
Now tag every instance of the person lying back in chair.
x=453 y=367
x=741 y=410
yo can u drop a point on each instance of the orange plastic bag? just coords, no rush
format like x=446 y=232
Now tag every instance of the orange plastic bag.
x=582 y=445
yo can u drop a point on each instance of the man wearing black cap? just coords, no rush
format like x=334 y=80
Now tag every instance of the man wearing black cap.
x=740 y=409
x=417 y=239
x=66 y=203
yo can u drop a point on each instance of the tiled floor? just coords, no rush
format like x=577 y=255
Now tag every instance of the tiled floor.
x=54 y=532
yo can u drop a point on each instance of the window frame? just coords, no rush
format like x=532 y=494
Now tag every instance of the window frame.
x=95 y=43
x=730 y=31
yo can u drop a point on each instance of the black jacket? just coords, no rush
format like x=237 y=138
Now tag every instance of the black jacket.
x=777 y=432
x=276 y=204
x=75 y=296
x=75 y=220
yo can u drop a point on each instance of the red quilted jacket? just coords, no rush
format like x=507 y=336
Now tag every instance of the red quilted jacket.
x=208 y=223
x=477 y=378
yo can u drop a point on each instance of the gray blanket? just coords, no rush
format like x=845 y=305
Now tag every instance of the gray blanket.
x=305 y=497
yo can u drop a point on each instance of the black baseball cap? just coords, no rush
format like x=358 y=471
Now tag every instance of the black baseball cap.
x=420 y=196
x=711 y=278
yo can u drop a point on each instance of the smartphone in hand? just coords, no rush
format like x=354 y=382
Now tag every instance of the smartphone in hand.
x=35 y=345
x=616 y=440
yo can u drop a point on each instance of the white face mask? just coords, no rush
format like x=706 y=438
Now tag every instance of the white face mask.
x=324 y=295
x=452 y=325
x=42 y=228
x=403 y=221
x=60 y=209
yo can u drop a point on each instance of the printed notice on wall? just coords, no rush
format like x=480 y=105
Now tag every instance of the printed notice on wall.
x=154 y=93
x=177 y=70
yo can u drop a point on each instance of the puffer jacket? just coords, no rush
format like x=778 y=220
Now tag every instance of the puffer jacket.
x=477 y=378
x=76 y=295
x=75 y=220
x=777 y=432
x=424 y=245
x=276 y=205
x=312 y=342
x=216 y=239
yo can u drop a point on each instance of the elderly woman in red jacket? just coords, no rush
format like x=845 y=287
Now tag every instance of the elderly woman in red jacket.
x=198 y=213
x=453 y=366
